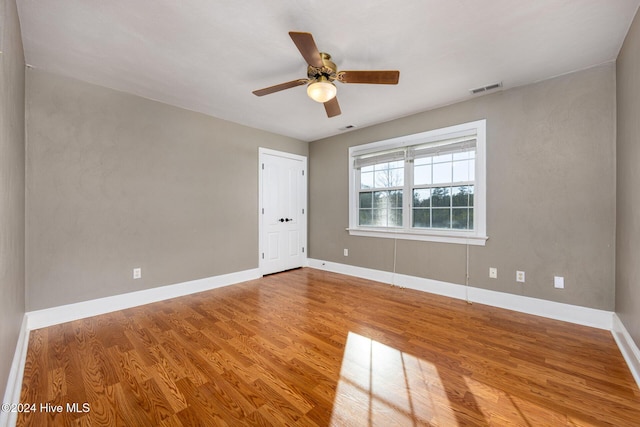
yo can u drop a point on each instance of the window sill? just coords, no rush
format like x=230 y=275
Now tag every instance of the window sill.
x=442 y=237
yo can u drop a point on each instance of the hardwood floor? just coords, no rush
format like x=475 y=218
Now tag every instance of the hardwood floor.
x=312 y=348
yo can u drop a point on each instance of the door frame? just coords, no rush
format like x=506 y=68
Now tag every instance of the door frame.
x=303 y=221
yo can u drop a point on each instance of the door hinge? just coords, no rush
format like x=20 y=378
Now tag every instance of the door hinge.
x=262 y=211
x=262 y=255
x=302 y=172
x=302 y=211
x=263 y=166
x=303 y=249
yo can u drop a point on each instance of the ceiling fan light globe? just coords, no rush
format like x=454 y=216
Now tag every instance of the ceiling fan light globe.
x=322 y=91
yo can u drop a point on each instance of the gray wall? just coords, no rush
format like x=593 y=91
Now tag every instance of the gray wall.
x=628 y=184
x=115 y=181
x=12 y=165
x=550 y=193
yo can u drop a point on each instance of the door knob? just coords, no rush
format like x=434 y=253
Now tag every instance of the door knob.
x=288 y=219
x=281 y=220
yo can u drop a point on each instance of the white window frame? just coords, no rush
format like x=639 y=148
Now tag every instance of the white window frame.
x=477 y=236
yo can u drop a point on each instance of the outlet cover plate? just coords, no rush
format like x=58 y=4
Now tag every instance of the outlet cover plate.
x=520 y=276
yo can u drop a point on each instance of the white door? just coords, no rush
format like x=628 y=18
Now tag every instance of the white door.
x=283 y=225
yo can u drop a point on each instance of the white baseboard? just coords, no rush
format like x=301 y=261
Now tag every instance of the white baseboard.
x=592 y=317
x=586 y=316
x=566 y=312
x=67 y=313
x=627 y=346
x=14 y=382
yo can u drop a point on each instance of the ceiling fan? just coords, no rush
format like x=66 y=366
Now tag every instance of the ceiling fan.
x=322 y=72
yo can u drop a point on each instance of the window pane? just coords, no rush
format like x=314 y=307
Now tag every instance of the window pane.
x=422 y=198
x=382 y=178
x=461 y=170
x=366 y=200
x=366 y=180
x=463 y=155
x=395 y=199
x=422 y=161
x=442 y=173
x=395 y=218
x=422 y=218
x=365 y=217
x=422 y=175
x=460 y=219
x=381 y=166
x=380 y=217
x=367 y=169
x=396 y=177
x=442 y=158
x=380 y=199
x=441 y=218
x=460 y=196
x=441 y=197
x=470 y=189
x=386 y=209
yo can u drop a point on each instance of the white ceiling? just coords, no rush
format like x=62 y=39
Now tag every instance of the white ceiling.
x=209 y=55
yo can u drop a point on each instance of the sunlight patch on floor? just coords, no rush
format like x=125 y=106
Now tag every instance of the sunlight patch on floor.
x=380 y=385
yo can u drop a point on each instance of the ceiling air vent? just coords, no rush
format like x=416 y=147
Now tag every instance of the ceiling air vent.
x=486 y=88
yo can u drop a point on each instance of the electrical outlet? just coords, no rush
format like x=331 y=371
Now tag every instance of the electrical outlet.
x=137 y=273
x=346 y=252
x=493 y=272
x=558 y=282
x=520 y=276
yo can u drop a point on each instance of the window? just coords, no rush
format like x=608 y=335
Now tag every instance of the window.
x=427 y=186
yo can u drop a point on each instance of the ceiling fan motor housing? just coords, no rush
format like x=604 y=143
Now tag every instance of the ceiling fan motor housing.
x=328 y=70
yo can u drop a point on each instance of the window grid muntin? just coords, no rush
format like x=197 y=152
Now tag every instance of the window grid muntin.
x=426 y=210
x=385 y=210
x=447 y=160
x=390 y=214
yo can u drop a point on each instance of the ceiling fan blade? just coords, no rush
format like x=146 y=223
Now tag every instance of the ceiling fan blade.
x=332 y=107
x=281 y=86
x=387 y=77
x=307 y=47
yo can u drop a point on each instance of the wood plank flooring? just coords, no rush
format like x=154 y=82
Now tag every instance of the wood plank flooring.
x=313 y=348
